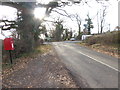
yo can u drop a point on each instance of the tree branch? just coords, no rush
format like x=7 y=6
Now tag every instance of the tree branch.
x=10 y=25
x=12 y=4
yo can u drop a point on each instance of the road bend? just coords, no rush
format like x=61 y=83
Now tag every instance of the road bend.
x=90 y=69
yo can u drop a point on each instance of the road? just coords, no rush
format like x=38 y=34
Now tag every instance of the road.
x=90 y=69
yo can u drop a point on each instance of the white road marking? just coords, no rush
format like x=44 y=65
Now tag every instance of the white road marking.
x=100 y=62
x=97 y=60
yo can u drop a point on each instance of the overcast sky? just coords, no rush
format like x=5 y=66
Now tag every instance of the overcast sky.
x=92 y=9
x=81 y=10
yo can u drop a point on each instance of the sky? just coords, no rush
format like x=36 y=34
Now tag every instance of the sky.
x=82 y=10
x=10 y=14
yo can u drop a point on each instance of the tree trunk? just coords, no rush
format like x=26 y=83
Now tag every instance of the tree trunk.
x=101 y=28
x=26 y=28
x=89 y=31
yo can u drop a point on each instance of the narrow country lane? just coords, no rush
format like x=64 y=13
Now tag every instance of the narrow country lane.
x=90 y=68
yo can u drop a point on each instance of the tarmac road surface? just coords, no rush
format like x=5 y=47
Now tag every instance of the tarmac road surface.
x=91 y=69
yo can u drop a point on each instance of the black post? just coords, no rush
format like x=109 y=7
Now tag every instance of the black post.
x=10 y=56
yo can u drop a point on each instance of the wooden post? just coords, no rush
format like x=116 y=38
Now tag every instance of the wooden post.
x=10 y=56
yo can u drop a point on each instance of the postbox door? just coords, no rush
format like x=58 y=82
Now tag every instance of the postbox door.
x=8 y=44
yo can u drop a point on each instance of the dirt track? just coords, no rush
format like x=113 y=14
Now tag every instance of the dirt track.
x=44 y=71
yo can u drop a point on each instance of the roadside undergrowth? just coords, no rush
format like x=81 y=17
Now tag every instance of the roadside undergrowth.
x=107 y=43
x=110 y=50
x=24 y=58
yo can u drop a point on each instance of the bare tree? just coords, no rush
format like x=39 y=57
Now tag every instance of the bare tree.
x=98 y=22
x=26 y=24
x=102 y=19
x=58 y=29
x=78 y=19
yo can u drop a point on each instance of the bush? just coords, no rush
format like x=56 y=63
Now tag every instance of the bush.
x=20 y=49
x=110 y=38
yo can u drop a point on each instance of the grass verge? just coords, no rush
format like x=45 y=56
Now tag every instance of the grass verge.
x=109 y=50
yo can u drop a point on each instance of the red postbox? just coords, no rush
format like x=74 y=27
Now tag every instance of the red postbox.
x=8 y=44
